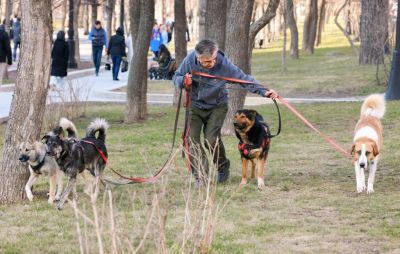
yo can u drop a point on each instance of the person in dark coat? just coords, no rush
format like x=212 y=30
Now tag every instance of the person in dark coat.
x=59 y=56
x=116 y=48
x=16 y=28
x=5 y=52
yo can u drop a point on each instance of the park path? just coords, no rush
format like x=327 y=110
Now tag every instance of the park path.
x=99 y=89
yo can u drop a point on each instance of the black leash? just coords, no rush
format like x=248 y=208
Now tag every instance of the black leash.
x=243 y=89
x=131 y=180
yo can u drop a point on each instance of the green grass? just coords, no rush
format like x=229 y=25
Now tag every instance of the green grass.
x=309 y=205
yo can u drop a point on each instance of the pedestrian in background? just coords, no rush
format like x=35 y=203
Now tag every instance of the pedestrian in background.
x=98 y=36
x=164 y=35
x=16 y=28
x=59 y=63
x=155 y=41
x=5 y=52
x=116 y=48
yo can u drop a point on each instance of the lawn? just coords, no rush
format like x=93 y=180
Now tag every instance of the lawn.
x=309 y=205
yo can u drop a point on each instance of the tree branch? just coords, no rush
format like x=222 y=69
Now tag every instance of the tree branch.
x=343 y=30
x=268 y=15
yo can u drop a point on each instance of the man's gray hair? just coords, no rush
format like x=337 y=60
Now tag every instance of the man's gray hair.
x=206 y=47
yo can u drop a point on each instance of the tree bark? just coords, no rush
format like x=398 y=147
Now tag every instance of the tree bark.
x=180 y=38
x=29 y=100
x=310 y=26
x=284 y=11
x=374 y=31
x=134 y=15
x=202 y=18
x=85 y=19
x=8 y=13
x=93 y=5
x=63 y=14
x=294 y=34
x=237 y=33
x=110 y=6
x=321 y=21
x=122 y=13
x=77 y=4
x=215 y=23
x=136 y=108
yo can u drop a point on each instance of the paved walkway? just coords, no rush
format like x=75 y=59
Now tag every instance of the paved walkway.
x=91 y=88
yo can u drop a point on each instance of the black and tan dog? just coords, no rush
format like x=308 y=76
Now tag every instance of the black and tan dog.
x=74 y=156
x=254 y=140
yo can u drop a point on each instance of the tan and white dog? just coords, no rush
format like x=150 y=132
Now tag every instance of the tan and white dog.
x=368 y=140
x=34 y=153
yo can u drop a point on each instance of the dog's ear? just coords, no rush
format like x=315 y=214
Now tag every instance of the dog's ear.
x=375 y=150
x=45 y=138
x=59 y=132
x=353 y=149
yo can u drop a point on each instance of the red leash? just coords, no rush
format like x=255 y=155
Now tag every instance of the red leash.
x=288 y=105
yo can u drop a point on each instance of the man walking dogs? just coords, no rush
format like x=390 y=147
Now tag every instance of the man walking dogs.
x=210 y=102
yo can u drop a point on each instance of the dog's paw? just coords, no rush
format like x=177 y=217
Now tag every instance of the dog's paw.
x=243 y=182
x=29 y=196
x=260 y=183
x=370 y=190
x=50 y=200
x=60 y=206
x=361 y=188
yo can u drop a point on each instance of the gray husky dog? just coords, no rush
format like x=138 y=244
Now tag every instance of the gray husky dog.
x=34 y=153
x=75 y=156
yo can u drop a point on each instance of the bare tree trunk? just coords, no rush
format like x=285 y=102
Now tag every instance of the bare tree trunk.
x=294 y=34
x=202 y=18
x=93 y=5
x=63 y=14
x=180 y=38
x=134 y=16
x=164 y=11
x=284 y=10
x=122 y=13
x=110 y=6
x=215 y=24
x=310 y=25
x=321 y=21
x=29 y=100
x=374 y=31
x=77 y=4
x=136 y=108
x=237 y=30
x=255 y=27
x=9 y=4
x=85 y=19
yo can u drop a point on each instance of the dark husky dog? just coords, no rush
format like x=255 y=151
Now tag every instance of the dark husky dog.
x=74 y=156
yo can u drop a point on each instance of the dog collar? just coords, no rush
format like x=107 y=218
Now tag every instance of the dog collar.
x=37 y=168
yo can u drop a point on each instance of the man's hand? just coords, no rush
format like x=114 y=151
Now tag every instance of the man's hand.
x=271 y=94
x=187 y=80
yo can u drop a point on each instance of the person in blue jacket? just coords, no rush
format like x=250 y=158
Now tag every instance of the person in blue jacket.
x=98 y=36
x=155 y=41
x=210 y=102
